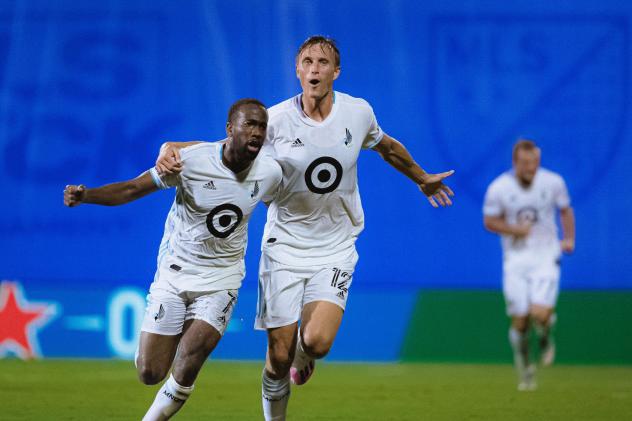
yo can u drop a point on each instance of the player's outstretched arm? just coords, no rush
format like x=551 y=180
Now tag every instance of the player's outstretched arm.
x=567 y=218
x=168 y=161
x=396 y=154
x=111 y=194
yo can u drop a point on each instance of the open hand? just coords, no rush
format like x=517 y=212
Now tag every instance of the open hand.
x=434 y=189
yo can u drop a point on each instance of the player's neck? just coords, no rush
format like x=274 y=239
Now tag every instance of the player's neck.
x=231 y=160
x=525 y=184
x=318 y=109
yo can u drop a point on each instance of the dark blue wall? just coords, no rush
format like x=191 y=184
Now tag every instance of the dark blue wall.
x=89 y=90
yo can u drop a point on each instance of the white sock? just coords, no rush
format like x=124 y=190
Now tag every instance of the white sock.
x=520 y=345
x=169 y=400
x=275 y=395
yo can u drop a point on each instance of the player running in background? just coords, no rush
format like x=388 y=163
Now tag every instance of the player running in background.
x=201 y=256
x=308 y=248
x=521 y=205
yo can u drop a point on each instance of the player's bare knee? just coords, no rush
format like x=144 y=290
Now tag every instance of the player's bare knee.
x=150 y=375
x=280 y=359
x=315 y=345
x=521 y=324
x=541 y=319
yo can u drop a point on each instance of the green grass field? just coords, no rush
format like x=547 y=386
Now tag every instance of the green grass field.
x=109 y=390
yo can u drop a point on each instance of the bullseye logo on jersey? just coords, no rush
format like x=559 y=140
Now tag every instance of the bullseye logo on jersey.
x=323 y=175
x=223 y=220
x=528 y=215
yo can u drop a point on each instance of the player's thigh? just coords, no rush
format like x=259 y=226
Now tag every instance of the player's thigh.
x=319 y=324
x=324 y=301
x=156 y=353
x=198 y=341
x=161 y=328
x=540 y=313
x=198 y=335
x=515 y=290
x=544 y=291
x=207 y=317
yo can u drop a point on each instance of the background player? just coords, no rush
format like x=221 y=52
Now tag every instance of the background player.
x=201 y=257
x=521 y=206
x=308 y=248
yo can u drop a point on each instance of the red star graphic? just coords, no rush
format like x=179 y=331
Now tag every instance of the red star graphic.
x=19 y=321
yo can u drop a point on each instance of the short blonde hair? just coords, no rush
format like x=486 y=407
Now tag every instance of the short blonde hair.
x=321 y=40
x=523 y=145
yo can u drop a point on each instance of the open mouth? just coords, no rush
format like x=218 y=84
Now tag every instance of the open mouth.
x=314 y=82
x=254 y=145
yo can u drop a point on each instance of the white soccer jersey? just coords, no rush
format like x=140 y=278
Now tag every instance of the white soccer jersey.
x=317 y=214
x=206 y=231
x=536 y=204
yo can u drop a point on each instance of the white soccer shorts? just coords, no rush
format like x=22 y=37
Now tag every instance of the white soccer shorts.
x=529 y=280
x=284 y=290
x=167 y=308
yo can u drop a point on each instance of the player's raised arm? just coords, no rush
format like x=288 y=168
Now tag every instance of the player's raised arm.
x=168 y=161
x=111 y=194
x=396 y=154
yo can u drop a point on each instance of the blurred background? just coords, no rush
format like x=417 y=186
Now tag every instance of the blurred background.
x=89 y=90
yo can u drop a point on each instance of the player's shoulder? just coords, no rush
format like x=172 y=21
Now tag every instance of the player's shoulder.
x=267 y=165
x=199 y=149
x=351 y=101
x=549 y=175
x=503 y=181
x=199 y=154
x=278 y=110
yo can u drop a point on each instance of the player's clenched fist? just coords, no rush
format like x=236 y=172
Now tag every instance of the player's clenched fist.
x=74 y=195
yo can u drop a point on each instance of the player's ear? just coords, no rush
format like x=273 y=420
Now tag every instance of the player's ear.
x=336 y=72
x=229 y=129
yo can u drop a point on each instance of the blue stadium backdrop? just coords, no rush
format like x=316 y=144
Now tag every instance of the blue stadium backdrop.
x=89 y=90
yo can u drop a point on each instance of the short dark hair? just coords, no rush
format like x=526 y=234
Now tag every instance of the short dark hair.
x=322 y=40
x=523 y=144
x=240 y=103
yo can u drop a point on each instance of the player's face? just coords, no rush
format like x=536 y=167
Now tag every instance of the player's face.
x=248 y=131
x=316 y=69
x=526 y=164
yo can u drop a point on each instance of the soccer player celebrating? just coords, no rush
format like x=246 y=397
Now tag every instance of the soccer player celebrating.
x=521 y=206
x=201 y=256
x=308 y=248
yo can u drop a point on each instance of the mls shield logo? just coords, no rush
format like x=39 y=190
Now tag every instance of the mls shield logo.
x=348 y=138
x=255 y=190
x=160 y=314
x=561 y=81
